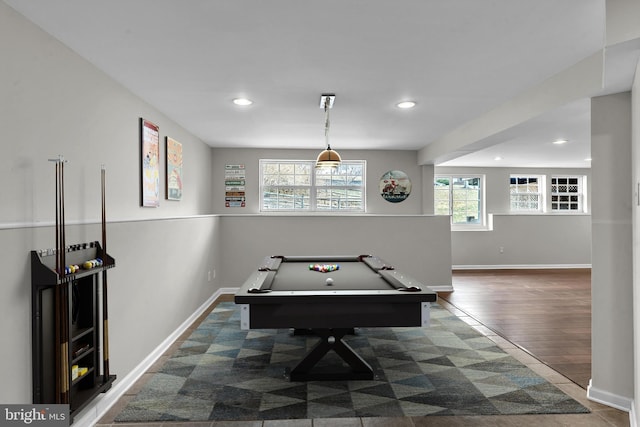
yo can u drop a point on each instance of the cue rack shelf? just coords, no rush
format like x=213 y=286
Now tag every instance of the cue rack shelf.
x=69 y=329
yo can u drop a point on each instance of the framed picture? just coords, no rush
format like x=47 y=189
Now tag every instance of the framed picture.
x=174 y=169
x=395 y=186
x=150 y=165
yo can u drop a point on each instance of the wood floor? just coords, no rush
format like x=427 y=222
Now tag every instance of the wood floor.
x=545 y=312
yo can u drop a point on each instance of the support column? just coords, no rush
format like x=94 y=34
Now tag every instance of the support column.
x=612 y=266
x=427 y=189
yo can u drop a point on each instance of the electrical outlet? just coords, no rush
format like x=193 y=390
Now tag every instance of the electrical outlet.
x=209 y=276
x=501 y=249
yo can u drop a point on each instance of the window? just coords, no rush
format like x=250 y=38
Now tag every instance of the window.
x=526 y=193
x=567 y=193
x=461 y=197
x=296 y=185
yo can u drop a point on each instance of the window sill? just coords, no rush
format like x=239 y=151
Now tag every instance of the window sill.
x=471 y=228
x=547 y=213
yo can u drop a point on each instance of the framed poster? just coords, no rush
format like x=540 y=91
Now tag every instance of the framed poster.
x=234 y=185
x=150 y=167
x=174 y=169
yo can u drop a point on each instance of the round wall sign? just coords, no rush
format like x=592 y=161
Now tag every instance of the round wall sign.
x=395 y=186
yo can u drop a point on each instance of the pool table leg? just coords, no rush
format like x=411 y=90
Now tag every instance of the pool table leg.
x=331 y=339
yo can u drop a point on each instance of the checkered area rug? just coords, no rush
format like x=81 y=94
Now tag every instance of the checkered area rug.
x=224 y=373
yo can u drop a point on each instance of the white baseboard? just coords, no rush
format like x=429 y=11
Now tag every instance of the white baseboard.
x=607 y=398
x=89 y=416
x=633 y=422
x=519 y=266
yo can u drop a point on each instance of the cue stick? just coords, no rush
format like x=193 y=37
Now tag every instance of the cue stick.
x=58 y=337
x=58 y=219
x=63 y=244
x=61 y=292
x=57 y=292
x=105 y=315
x=64 y=347
x=57 y=194
x=64 y=288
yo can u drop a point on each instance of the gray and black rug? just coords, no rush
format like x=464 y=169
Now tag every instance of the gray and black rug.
x=224 y=373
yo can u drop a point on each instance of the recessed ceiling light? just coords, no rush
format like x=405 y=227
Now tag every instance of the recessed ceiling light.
x=560 y=141
x=406 y=104
x=497 y=158
x=243 y=102
x=588 y=159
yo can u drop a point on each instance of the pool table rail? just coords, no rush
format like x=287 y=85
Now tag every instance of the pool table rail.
x=262 y=281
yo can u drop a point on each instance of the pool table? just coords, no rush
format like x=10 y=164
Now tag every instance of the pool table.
x=357 y=292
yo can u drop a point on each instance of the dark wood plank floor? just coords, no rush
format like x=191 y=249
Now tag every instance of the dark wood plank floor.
x=545 y=312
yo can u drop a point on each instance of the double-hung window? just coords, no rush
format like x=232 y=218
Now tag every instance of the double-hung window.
x=568 y=193
x=296 y=185
x=526 y=193
x=462 y=197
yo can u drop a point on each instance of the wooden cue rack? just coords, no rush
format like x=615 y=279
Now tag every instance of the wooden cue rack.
x=70 y=329
x=79 y=311
x=68 y=307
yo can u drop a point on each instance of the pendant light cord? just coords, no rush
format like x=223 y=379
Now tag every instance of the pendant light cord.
x=327 y=124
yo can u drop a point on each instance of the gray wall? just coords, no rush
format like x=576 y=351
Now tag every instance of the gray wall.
x=543 y=240
x=395 y=231
x=156 y=285
x=635 y=151
x=54 y=103
x=417 y=245
x=612 y=271
x=497 y=183
x=525 y=241
x=549 y=240
x=378 y=162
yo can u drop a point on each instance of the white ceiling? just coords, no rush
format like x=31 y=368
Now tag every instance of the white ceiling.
x=457 y=59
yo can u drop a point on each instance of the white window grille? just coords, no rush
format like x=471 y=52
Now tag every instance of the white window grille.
x=296 y=185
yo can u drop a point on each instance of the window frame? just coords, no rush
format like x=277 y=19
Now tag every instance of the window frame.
x=482 y=211
x=581 y=194
x=314 y=187
x=541 y=193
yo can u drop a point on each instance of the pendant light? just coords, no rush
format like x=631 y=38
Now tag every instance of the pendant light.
x=328 y=158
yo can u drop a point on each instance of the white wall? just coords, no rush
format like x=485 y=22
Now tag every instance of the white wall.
x=53 y=102
x=611 y=274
